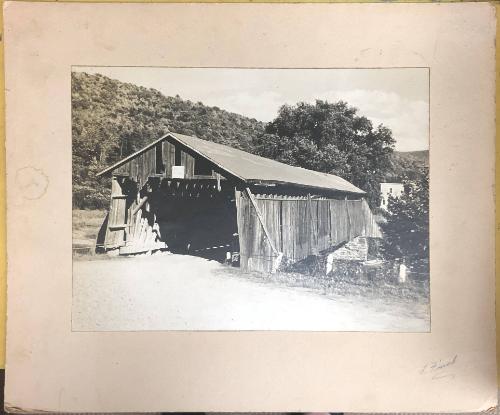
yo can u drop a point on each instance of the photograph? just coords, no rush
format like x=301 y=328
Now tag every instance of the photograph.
x=269 y=199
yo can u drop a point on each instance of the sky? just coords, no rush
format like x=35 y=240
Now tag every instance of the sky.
x=395 y=97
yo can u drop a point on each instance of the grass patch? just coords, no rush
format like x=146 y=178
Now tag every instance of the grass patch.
x=349 y=279
x=86 y=225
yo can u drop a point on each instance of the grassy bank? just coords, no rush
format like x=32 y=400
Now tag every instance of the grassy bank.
x=348 y=279
x=86 y=225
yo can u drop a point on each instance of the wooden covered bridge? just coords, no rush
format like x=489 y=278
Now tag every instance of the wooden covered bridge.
x=197 y=197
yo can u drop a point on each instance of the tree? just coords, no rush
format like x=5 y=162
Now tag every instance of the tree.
x=331 y=138
x=406 y=231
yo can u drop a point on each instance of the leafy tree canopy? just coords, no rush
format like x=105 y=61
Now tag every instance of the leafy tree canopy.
x=406 y=231
x=332 y=138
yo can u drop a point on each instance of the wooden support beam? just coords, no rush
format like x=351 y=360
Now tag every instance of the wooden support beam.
x=217 y=175
x=311 y=248
x=137 y=226
x=261 y=220
x=139 y=205
x=128 y=250
x=118 y=227
x=349 y=225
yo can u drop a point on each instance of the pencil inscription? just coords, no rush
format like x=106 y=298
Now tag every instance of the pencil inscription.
x=440 y=369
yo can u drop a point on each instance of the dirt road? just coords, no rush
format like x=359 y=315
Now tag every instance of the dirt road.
x=174 y=292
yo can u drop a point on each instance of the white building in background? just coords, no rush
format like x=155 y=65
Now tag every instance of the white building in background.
x=389 y=189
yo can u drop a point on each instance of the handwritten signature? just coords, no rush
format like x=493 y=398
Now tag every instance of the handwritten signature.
x=440 y=369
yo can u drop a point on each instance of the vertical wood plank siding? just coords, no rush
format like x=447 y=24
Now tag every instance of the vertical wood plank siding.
x=144 y=165
x=117 y=216
x=168 y=157
x=140 y=167
x=299 y=228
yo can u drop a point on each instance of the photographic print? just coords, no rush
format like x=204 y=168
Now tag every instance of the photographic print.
x=250 y=199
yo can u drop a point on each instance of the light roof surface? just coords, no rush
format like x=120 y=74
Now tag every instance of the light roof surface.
x=251 y=168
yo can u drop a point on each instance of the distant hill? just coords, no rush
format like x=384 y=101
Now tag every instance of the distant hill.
x=421 y=156
x=406 y=164
x=112 y=119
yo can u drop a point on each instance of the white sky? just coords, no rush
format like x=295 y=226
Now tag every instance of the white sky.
x=397 y=98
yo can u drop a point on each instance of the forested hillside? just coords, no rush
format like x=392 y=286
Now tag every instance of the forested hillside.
x=421 y=156
x=407 y=165
x=112 y=119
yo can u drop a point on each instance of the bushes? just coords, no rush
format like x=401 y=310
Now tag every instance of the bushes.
x=85 y=197
x=406 y=230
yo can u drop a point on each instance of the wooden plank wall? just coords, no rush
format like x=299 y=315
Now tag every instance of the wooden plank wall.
x=168 y=157
x=371 y=226
x=299 y=227
x=117 y=216
x=140 y=167
x=142 y=232
x=144 y=165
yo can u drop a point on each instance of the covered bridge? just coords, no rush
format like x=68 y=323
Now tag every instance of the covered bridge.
x=198 y=197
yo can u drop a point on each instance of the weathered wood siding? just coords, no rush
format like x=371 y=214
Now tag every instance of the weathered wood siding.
x=168 y=157
x=115 y=234
x=299 y=227
x=144 y=165
x=140 y=167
